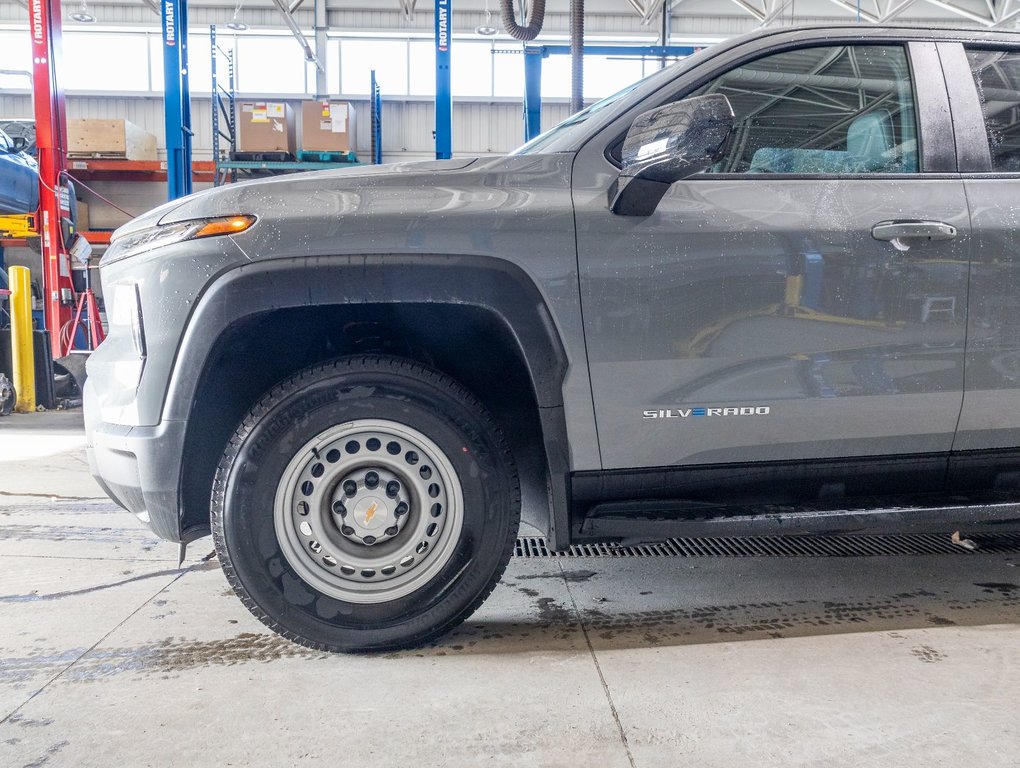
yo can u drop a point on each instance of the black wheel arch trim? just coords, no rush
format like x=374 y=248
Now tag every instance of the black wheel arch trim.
x=495 y=286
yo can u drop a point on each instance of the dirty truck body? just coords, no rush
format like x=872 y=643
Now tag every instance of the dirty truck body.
x=770 y=289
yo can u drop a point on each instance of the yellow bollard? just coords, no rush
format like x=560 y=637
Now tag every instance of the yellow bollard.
x=21 y=338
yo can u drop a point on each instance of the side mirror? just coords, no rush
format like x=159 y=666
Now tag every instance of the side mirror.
x=668 y=144
x=20 y=143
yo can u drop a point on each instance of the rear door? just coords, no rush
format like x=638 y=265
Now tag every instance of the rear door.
x=984 y=87
x=768 y=309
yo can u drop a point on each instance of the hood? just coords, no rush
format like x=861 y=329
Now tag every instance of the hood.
x=262 y=195
x=223 y=200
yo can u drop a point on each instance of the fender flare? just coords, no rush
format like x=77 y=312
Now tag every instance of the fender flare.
x=496 y=286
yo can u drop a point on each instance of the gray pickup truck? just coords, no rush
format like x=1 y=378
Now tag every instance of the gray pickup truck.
x=772 y=288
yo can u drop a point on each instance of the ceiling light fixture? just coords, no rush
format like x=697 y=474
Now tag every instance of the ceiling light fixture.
x=82 y=15
x=235 y=23
x=486 y=29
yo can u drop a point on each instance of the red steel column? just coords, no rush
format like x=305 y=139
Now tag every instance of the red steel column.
x=51 y=141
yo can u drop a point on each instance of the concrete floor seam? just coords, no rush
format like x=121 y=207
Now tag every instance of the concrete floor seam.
x=91 y=648
x=598 y=669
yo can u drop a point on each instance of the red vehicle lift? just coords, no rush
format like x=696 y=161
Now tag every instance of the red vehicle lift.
x=55 y=208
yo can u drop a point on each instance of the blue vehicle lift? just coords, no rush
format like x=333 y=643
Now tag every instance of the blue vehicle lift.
x=444 y=92
x=376 y=99
x=176 y=98
x=534 y=54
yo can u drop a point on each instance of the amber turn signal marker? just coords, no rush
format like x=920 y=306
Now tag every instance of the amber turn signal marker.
x=230 y=225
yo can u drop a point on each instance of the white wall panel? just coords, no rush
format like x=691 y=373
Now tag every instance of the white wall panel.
x=479 y=127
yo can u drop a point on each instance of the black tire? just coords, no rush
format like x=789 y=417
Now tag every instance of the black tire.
x=307 y=405
x=8 y=403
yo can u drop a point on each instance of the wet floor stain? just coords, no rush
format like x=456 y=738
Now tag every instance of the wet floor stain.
x=172 y=656
x=44 y=759
x=29 y=722
x=927 y=654
x=918 y=609
x=87 y=534
x=31 y=597
x=1002 y=588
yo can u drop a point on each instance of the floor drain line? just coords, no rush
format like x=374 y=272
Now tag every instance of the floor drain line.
x=862 y=545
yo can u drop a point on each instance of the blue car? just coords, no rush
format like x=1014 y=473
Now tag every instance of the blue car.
x=19 y=177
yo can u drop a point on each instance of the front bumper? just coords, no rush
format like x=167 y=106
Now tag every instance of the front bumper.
x=138 y=467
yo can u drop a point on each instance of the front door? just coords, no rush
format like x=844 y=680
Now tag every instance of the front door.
x=807 y=297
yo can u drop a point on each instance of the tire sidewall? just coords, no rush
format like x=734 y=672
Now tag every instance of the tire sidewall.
x=310 y=404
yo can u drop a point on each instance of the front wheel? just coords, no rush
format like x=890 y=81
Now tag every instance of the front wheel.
x=365 y=504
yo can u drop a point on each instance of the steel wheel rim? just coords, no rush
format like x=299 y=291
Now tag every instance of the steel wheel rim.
x=366 y=550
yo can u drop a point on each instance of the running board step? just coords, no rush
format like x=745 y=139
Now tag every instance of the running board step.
x=641 y=521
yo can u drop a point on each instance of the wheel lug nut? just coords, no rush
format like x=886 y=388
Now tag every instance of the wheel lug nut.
x=350 y=487
x=370 y=540
x=392 y=530
x=339 y=509
x=392 y=489
x=347 y=530
x=371 y=480
x=401 y=509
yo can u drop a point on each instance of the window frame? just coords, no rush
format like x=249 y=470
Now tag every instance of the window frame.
x=972 y=145
x=936 y=149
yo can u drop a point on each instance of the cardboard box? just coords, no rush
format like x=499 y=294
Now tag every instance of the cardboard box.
x=83 y=216
x=265 y=126
x=109 y=138
x=328 y=126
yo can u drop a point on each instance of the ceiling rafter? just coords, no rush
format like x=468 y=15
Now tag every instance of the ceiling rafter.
x=778 y=7
x=407 y=6
x=748 y=8
x=963 y=12
x=855 y=9
x=892 y=11
x=999 y=12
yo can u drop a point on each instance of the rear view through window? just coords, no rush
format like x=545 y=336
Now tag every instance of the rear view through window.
x=997 y=77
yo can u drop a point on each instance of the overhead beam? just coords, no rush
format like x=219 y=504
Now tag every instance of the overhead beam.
x=1006 y=18
x=963 y=12
x=776 y=12
x=748 y=8
x=852 y=8
x=298 y=34
x=321 y=30
x=153 y=6
x=893 y=11
x=407 y=6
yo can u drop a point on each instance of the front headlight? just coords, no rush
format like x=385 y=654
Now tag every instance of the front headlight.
x=156 y=237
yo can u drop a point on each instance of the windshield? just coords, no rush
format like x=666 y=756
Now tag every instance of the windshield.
x=562 y=138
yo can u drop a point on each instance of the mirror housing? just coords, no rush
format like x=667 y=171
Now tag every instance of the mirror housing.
x=20 y=143
x=667 y=144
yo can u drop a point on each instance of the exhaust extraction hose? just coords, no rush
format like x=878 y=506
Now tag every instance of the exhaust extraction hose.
x=576 y=55
x=534 y=19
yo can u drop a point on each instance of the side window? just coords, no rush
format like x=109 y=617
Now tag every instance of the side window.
x=838 y=109
x=997 y=77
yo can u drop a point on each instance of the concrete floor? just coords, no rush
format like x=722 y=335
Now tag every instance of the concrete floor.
x=111 y=655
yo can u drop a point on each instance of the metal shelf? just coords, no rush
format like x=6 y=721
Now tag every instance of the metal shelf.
x=283 y=165
x=109 y=169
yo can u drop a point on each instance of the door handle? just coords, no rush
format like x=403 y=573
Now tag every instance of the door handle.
x=903 y=234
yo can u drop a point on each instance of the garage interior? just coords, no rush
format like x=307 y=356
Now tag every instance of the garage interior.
x=721 y=651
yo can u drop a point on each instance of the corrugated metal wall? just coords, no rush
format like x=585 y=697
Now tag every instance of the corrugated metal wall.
x=479 y=127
